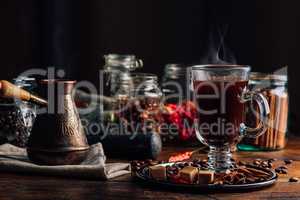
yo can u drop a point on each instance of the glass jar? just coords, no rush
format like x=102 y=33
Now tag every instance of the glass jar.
x=17 y=117
x=274 y=87
x=116 y=66
x=179 y=110
x=138 y=103
x=175 y=83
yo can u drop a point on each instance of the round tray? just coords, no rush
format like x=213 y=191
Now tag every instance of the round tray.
x=144 y=176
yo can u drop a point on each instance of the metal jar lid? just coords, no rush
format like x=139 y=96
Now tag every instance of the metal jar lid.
x=263 y=78
x=119 y=62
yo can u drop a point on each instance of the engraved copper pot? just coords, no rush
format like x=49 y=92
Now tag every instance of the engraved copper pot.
x=58 y=137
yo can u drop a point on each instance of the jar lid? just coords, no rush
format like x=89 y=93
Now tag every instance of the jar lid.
x=175 y=70
x=276 y=79
x=25 y=82
x=145 y=83
x=128 y=62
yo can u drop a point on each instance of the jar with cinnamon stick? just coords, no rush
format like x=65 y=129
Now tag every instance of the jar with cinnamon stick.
x=274 y=87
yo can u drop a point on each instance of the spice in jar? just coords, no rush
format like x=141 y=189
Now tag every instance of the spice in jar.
x=139 y=108
x=179 y=111
x=182 y=116
x=16 y=116
x=274 y=88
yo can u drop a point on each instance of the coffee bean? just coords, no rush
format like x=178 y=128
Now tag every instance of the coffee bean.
x=148 y=161
x=293 y=179
x=281 y=170
x=134 y=163
x=234 y=165
x=288 y=162
x=142 y=162
x=270 y=165
x=16 y=124
x=181 y=165
x=264 y=163
x=138 y=164
x=261 y=179
x=256 y=162
x=242 y=163
x=272 y=160
x=278 y=170
x=196 y=165
x=219 y=182
x=283 y=167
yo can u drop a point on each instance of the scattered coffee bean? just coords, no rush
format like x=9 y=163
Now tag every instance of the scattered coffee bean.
x=281 y=170
x=293 y=179
x=283 y=167
x=278 y=170
x=288 y=162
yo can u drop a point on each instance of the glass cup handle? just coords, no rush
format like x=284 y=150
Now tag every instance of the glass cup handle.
x=264 y=111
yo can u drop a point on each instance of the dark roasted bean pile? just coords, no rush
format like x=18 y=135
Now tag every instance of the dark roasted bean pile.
x=15 y=124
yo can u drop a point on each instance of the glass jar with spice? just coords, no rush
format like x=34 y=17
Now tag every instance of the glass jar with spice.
x=179 y=110
x=138 y=103
x=115 y=67
x=274 y=87
x=134 y=127
x=16 y=116
x=116 y=70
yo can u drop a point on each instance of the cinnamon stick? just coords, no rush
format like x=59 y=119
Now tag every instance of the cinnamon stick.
x=282 y=122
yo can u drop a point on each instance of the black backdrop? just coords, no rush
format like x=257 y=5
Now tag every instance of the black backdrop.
x=74 y=34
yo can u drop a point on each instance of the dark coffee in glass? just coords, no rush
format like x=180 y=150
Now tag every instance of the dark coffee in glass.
x=220 y=93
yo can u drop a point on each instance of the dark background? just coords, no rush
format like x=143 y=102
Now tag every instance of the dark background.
x=75 y=34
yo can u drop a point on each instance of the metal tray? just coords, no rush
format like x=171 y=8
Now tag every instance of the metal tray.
x=144 y=176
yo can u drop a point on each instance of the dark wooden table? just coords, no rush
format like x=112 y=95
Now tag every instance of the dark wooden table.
x=14 y=187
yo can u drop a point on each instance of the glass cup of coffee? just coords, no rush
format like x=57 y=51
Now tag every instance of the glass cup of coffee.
x=221 y=95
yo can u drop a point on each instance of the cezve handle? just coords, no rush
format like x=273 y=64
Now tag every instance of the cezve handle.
x=9 y=90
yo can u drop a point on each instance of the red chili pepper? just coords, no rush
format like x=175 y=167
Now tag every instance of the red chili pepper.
x=180 y=157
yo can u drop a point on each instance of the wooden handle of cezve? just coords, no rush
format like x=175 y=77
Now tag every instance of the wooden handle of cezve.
x=9 y=90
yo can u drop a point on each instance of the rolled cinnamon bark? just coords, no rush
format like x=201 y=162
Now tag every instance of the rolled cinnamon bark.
x=281 y=132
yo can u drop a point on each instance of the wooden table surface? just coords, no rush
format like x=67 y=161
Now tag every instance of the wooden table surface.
x=15 y=187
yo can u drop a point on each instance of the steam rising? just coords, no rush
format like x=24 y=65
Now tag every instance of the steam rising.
x=217 y=52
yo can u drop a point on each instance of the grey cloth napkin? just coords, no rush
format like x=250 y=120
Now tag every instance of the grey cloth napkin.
x=14 y=159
